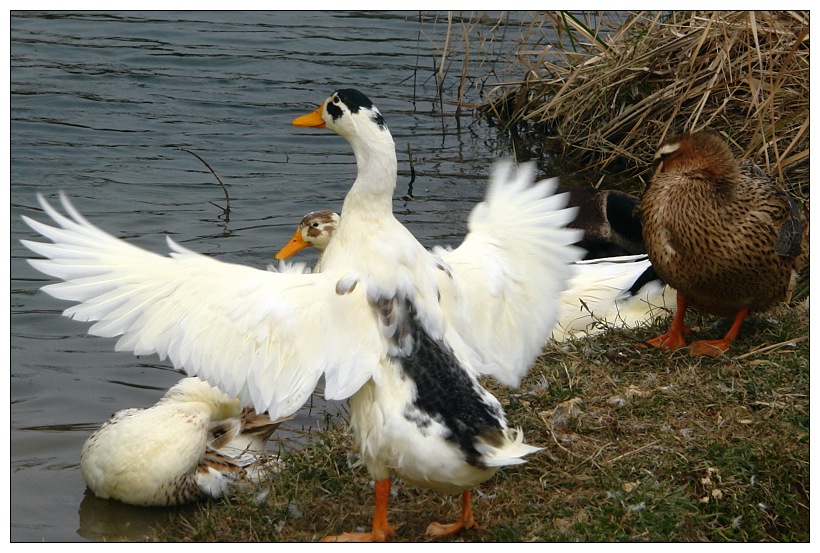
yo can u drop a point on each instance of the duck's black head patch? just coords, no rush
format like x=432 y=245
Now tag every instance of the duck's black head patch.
x=354 y=100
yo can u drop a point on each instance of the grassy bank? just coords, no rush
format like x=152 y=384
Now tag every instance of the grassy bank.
x=639 y=445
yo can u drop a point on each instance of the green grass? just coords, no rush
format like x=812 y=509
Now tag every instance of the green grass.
x=640 y=445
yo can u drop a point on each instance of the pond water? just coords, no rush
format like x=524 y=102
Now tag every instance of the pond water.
x=104 y=107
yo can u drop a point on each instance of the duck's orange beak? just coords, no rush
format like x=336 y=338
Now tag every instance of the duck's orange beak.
x=311 y=119
x=297 y=243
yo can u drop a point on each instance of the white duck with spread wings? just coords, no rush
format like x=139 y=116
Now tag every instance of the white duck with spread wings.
x=417 y=408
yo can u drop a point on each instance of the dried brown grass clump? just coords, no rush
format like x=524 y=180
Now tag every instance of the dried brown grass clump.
x=612 y=97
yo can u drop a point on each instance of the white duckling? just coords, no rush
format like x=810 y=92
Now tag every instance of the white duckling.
x=411 y=374
x=609 y=292
x=174 y=452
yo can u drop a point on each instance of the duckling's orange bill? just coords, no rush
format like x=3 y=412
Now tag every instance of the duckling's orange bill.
x=311 y=119
x=296 y=244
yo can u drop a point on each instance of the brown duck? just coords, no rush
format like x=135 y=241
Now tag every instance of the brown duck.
x=720 y=233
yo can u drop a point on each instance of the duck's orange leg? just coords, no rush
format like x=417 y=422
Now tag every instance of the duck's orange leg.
x=713 y=348
x=439 y=530
x=382 y=531
x=673 y=339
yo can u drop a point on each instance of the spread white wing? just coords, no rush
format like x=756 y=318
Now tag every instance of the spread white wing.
x=264 y=336
x=500 y=287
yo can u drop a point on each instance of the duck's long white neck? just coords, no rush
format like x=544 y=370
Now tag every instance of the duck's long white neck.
x=372 y=193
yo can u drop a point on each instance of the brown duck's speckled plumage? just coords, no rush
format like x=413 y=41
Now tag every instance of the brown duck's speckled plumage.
x=721 y=232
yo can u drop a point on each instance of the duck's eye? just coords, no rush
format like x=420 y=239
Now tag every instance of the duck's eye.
x=315 y=225
x=335 y=99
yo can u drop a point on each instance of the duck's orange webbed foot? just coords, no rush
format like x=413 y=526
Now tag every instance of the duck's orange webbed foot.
x=713 y=348
x=361 y=537
x=669 y=340
x=673 y=339
x=381 y=531
x=439 y=530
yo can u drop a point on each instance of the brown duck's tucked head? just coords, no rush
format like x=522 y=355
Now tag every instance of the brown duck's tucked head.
x=702 y=154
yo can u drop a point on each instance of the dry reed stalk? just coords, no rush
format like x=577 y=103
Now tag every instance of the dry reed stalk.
x=613 y=96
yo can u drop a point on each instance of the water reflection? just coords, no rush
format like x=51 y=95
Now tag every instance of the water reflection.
x=109 y=520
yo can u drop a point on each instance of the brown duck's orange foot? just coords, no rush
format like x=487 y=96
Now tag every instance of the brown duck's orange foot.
x=669 y=340
x=673 y=339
x=712 y=348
